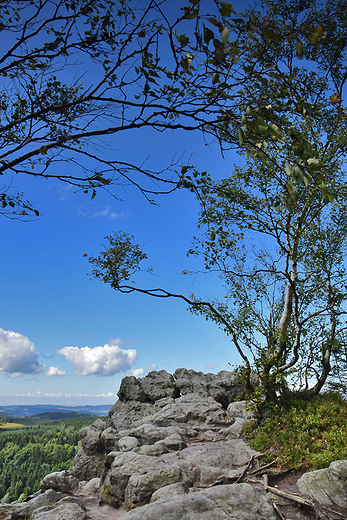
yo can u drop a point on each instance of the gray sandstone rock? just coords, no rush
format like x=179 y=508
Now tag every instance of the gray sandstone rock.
x=70 y=508
x=127 y=443
x=223 y=387
x=133 y=478
x=62 y=481
x=328 y=486
x=90 y=437
x=192 y=409
x=124 y=415
x=26 y=509
x=159 y=385
x=217 y=458
x=86 y=467
x=167 y=492
x=229 y=502
x=173 y=442
x=109 y=439
x=90 y=488
x=151 y=449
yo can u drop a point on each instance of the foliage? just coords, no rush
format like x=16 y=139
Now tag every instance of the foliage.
x=27 y=455
x=75 y=74
x=274 y=229
x=304 y=434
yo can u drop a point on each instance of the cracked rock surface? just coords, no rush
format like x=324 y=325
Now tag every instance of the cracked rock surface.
x=169 y=451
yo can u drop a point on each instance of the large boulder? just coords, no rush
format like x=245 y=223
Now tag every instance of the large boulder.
x=224 y=387
x=155 y=386
x=90 y=437
x=69 y=508
x=26 y=509
x=328 y=486
x=191 y=409
x=123 y=415
x=133 y=478
x=62 y=481
x=229 y=502
x=86 y=467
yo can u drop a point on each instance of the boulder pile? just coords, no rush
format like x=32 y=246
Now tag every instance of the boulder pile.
x=171 y=450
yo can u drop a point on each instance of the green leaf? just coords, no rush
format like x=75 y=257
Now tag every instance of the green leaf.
x=314 y=163
x=299 y=47
x=215 y=78
x=226 y=9
x=43 y=150
x=274 y=130
x=208 y=35
x=225 y=35
x=241 y=136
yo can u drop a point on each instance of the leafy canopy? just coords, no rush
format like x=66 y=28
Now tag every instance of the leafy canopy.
x=274 y=229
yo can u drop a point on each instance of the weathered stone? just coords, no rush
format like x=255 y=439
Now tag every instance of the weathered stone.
x=131 y=390
x=62 y=481
x=26 y=509
x=149 y=434
x=69 y=508
x=109 y=439
x=86 y=467
x=328 y=486
x=151 y=388
x=151 y=449
x=133 y=478
x=124 y=415
x=223 y=387
x=91 y=437
x=189 y=471
x=166 y=492
x=141 y=486
x=159 y=385
x=215 y=459
x=191 y=408
x=127 y=443
x=229 y=502
x=90 y=488
x=173 y=442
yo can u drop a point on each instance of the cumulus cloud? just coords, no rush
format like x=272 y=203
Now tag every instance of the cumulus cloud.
x=211 y=367
x=137 y=372
x=100 y=361
x=18 y=354
x=55 y=371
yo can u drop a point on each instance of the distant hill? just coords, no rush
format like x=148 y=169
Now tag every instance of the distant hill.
x=29 y=410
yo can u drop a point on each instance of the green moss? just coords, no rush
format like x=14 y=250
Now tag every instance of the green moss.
x=304 y=434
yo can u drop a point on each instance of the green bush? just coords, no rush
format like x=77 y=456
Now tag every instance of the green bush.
x=304 y=434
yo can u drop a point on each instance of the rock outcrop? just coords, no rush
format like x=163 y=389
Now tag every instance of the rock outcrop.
x=170 y=450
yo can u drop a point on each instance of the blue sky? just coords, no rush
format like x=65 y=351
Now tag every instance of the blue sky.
x=66 y=339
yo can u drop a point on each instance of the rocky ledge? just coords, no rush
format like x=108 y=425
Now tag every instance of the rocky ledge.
x=171 y=450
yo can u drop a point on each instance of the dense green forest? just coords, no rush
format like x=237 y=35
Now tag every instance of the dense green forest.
x=27 y=454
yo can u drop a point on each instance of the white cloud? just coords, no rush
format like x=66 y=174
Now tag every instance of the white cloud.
x=108 y=212
x=153 y=366
x=210 y=367
x=18 y=354
x=100 y=361
x=55 y=371
x=137 y=372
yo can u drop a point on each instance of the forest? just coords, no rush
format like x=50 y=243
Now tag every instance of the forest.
x=42 y=445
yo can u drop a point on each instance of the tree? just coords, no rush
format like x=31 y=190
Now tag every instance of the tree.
x=275 y=229
x=75 y=74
